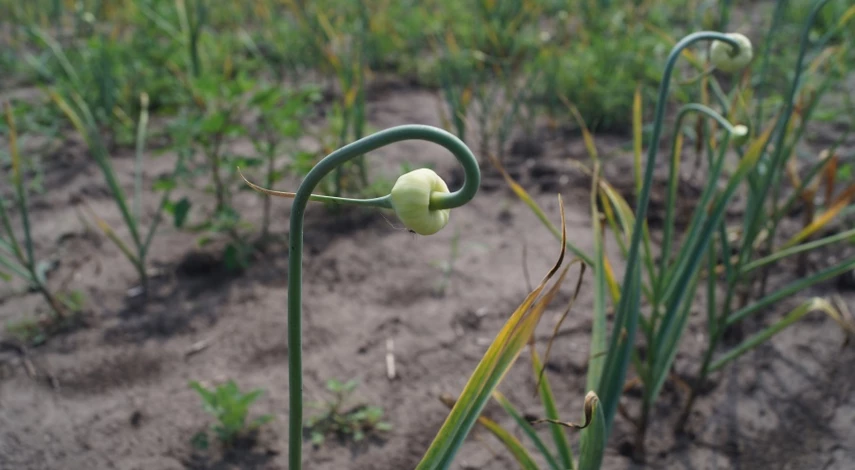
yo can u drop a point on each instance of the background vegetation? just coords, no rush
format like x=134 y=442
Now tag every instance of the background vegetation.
x=193 y=78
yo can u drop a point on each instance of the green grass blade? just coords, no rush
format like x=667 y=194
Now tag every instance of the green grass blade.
x=697 y=240
x=593 y=441
x=712 y=285
x=596 y=355
x=627 y=219
x=528 y=429
x=754 y=213
x=514 y=446
x=142 y=127
x=16 y=268
x=21 y=198
x=700 y=216
x=565 y=454
x=791 y=289
x=794 y=250
x=812 y=305
x=662 y=363
x=670 y=205
x=622 y=336
x=57 y=51
x=12 y=245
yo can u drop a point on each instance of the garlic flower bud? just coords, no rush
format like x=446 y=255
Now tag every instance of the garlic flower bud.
x=411 y=200
x=726 y=58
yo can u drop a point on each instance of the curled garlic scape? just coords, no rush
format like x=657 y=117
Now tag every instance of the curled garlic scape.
x=421 y=200
x=728 y=58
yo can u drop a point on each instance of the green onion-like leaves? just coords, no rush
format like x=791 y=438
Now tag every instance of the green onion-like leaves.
x=593 y=443
x=14 y=259
x=514 y=446
x=81 y=117
x=551 y=413
x=528 y=429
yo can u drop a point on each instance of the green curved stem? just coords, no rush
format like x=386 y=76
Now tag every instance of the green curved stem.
x=672 y=188
x=626 y=320
x=472 y=180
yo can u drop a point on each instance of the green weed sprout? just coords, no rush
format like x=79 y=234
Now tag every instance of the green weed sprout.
x=231 y=408
x=420 y=199
x=334 y=419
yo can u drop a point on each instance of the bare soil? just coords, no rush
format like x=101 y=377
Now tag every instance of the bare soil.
x=113 y=394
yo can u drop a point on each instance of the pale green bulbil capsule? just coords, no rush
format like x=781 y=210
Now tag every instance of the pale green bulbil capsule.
x=740 y=134
x=411 y=201
x=725 y=57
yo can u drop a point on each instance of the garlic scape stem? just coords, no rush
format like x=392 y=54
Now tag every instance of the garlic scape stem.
x=614 y=370
x=437 y=199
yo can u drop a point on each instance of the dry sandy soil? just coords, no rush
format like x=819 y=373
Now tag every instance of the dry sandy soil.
x=114 y=394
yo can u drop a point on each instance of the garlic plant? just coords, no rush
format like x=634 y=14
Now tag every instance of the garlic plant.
x=664 y=330
x=420 y=199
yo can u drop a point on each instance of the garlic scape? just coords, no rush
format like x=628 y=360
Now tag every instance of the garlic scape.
x=421 y=200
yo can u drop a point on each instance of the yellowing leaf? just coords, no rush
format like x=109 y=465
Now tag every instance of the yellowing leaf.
x=840 y=203
x=637 y=125
x=590 y=146
x=500 y=356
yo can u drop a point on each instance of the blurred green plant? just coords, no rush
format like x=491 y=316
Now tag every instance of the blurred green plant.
x=230 y=407
x=745 y=255
x=279 y=125
x=711 y=250
x=483 y=73
x=36 y=331
x=37 y=129
x=207 y=131
x=336 y=419
x=77 y=111
x=596 y=48
x=340 y=37
x=18 y=257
